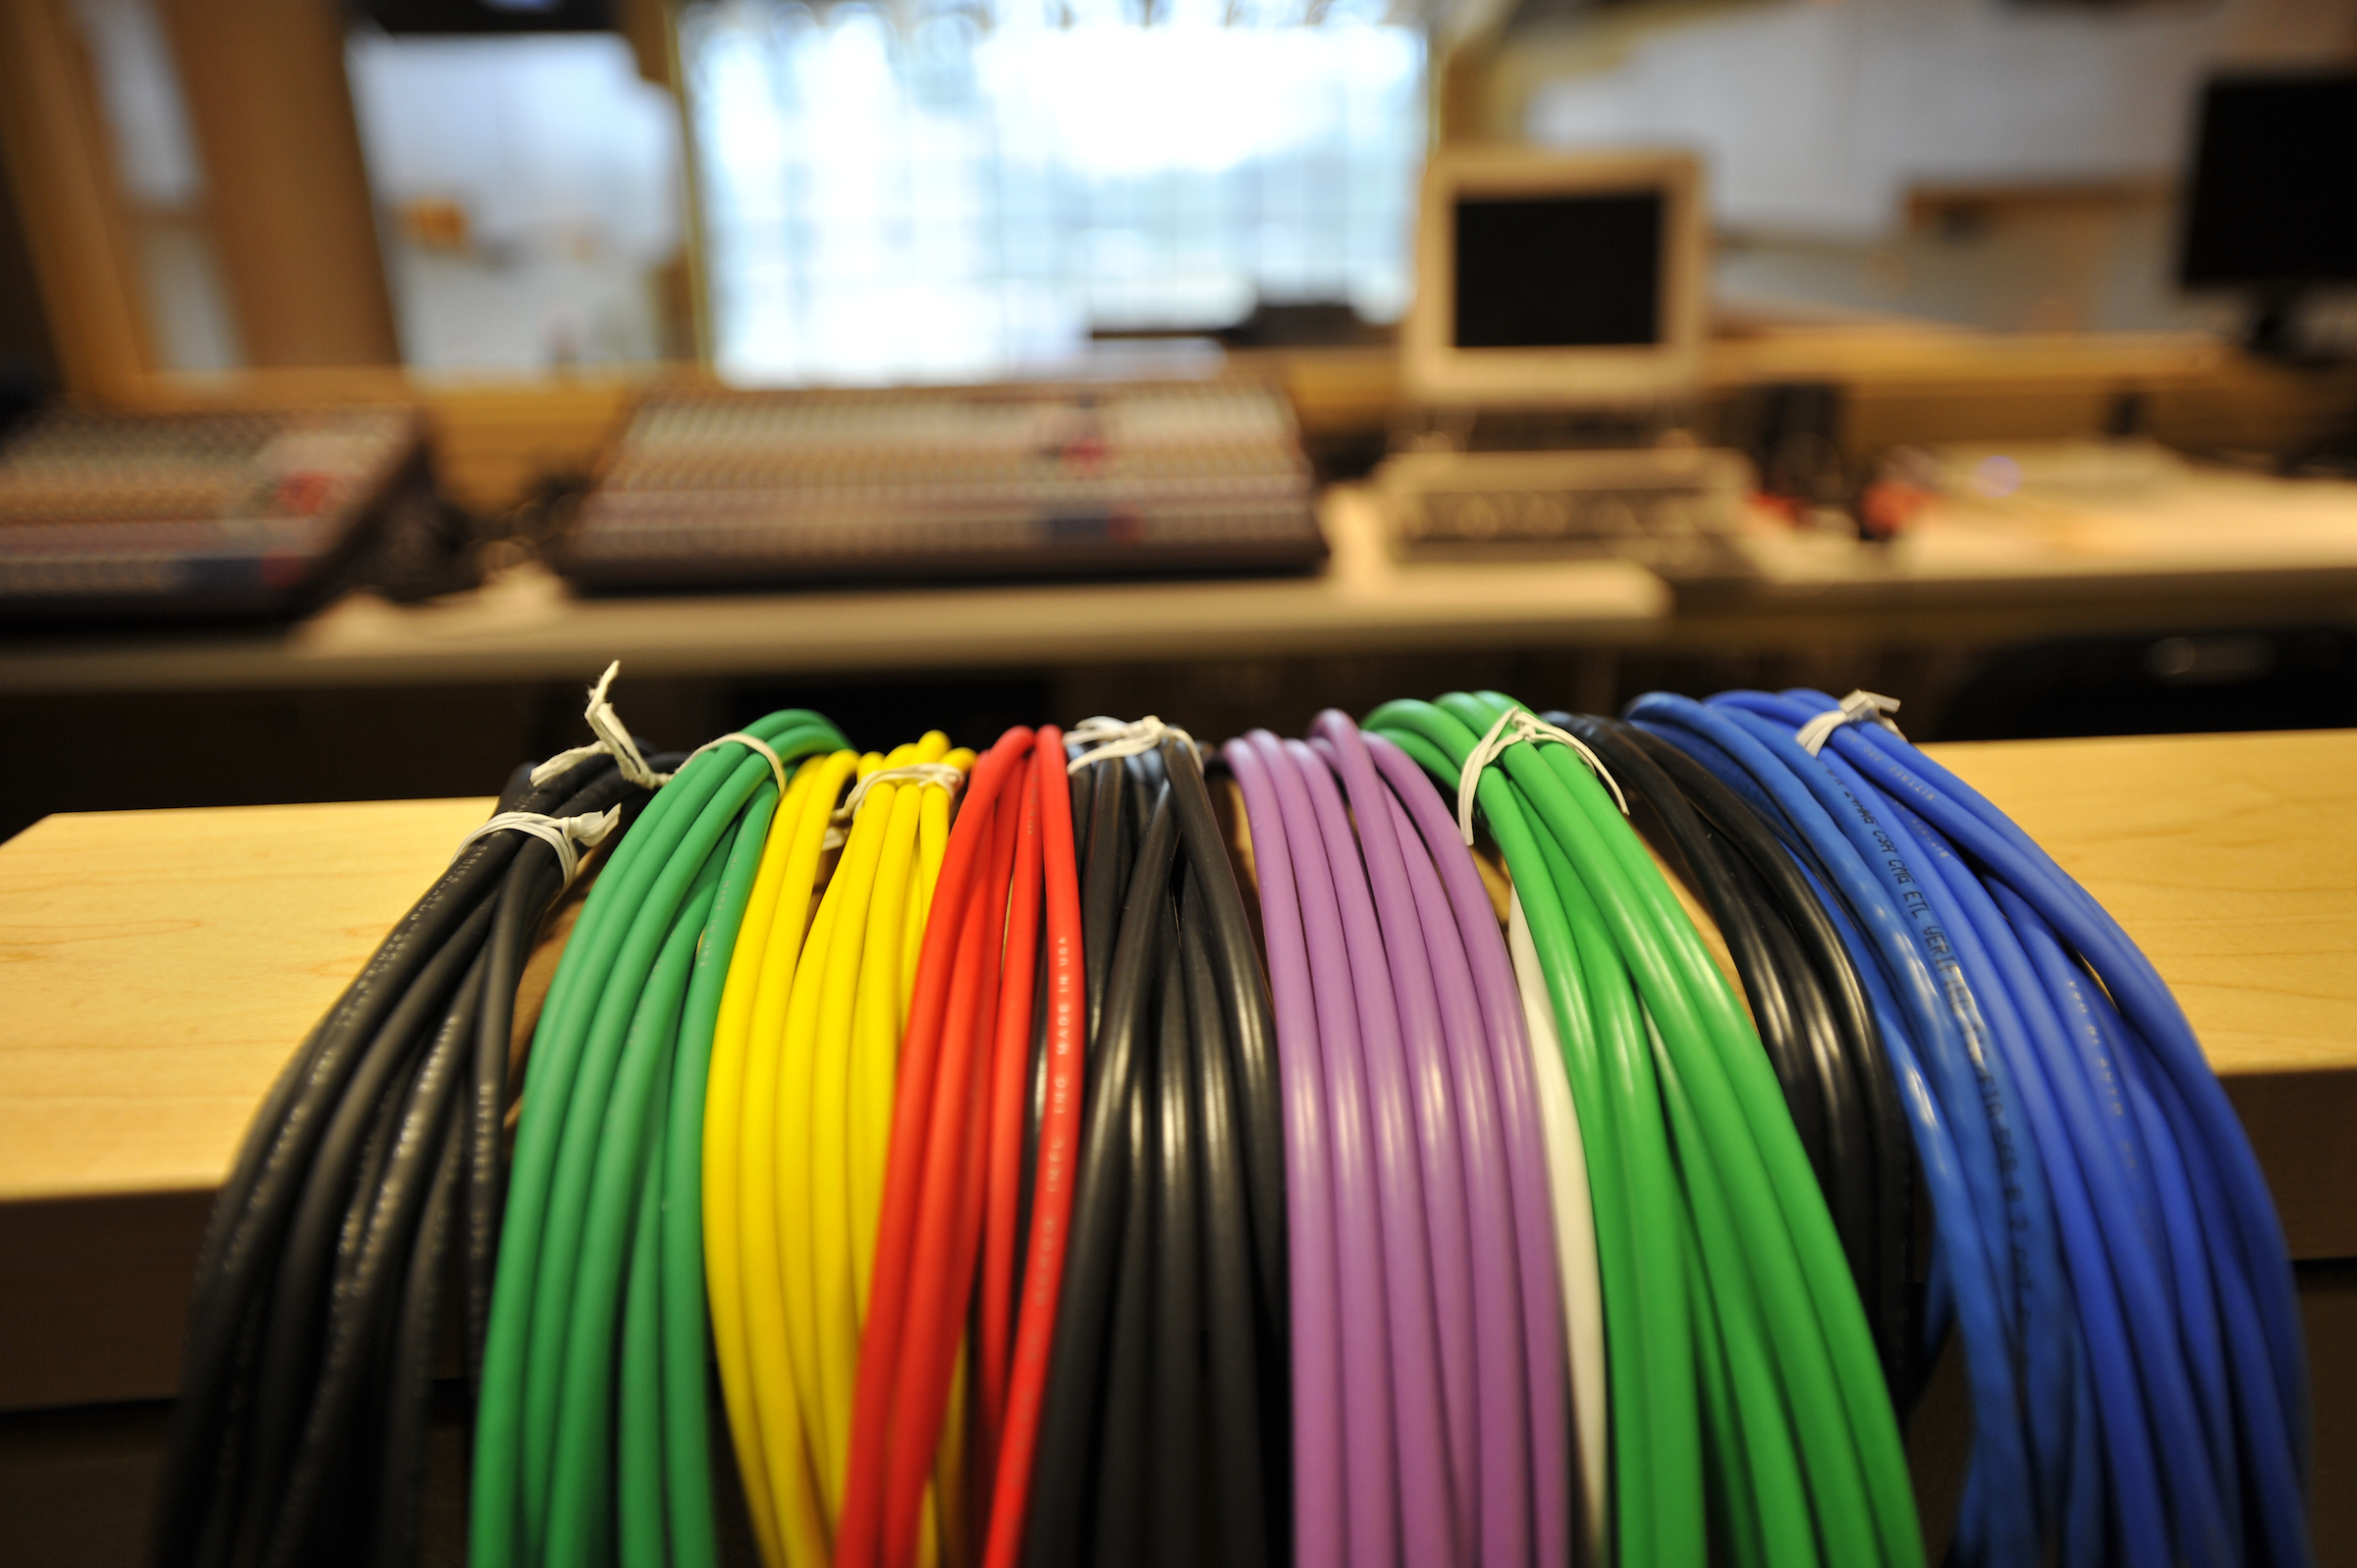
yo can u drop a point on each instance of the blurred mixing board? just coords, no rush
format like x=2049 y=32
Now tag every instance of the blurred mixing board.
x=132 y=515
x=715 y=488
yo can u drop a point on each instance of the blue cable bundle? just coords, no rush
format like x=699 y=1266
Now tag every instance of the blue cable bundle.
x=2104 y=1241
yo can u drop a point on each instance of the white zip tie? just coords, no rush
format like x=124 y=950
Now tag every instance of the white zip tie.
x=612 y=738
x=568 y=835
x=1859 y=707
x=1527 y=725
x=948 y=776
x=1112 y=738
x=777 y=768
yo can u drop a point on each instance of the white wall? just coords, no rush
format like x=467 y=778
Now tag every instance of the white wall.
x=1817 y=117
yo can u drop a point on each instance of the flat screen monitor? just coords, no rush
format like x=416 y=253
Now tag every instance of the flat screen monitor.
x=2273 y=200
x=1551 y=278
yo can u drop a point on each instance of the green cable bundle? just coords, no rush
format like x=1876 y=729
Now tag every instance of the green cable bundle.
x=1750 y=1421
x=600 y=1276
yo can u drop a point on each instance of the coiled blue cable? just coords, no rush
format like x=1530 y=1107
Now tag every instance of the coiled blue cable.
x=1977 y=1072
x=2211 y=1313
x=1988 y=836
x=1959 y=1159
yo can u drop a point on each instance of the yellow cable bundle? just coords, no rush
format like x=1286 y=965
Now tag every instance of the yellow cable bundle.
x=798 y=1124
x=741 y=1221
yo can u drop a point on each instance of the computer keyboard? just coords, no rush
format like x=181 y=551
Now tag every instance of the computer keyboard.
x=1671 y=506
x=714 y=489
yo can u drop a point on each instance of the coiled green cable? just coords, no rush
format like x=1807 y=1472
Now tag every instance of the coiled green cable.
x=1721 y=1129
x=650 y=906
x=1775 y=1347
x=1743 y=1097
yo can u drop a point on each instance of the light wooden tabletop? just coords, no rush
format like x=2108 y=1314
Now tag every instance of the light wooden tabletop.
x=160 y=966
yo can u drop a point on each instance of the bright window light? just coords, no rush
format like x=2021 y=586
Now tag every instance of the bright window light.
x=974 y=192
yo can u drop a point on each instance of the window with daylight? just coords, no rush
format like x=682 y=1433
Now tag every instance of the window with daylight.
x=952 y=190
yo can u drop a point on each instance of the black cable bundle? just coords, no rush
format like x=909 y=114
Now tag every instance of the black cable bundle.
x=307 y=1382
x=1812 y=1013
x=1165 y=1436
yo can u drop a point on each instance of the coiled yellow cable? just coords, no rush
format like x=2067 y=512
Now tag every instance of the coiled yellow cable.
x=797 y=1216
x=834 y=978
x=797 y=1132
x=769 y=1241
x=723 y=1153
x=883 y=1004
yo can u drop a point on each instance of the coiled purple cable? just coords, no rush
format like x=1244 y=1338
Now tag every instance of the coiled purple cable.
x=1319 y=1512
x=1428 y=1523
x=1490 y=975
x=1372 y=1511
x=1455 y=1226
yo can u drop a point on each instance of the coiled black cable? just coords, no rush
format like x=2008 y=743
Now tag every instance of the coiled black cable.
x=1057 y=1530
x=1895 y=1307
x=308 y=1372
x=1164 y=1435
x=1812 y=1013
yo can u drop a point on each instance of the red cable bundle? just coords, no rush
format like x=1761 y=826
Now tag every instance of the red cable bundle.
x=931 y=1009
x=1017 y=1436
x=955 y=1166
x=1010 y=1056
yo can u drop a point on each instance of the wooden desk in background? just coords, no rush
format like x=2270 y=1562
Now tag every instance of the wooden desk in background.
x=2208 y=550
x=160 y=966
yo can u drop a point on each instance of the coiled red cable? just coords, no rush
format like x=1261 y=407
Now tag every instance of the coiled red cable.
x=1011 y=1055
x=931 y=1010
x=1059 y=1148
x=949 y=1227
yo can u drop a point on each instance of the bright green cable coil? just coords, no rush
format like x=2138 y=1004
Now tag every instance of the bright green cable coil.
x=690 y=846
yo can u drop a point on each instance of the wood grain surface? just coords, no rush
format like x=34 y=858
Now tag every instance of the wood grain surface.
x=2232 y=861
x=158 y=967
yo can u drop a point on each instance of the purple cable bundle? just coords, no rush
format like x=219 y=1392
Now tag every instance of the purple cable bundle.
x=1422 y=1243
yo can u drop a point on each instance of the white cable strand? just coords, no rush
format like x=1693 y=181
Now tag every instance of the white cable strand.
x=612 y=738
x=1113 y=738
x=1527 y=725
x=1859 y=707
x=1574 y=1227
x=568 y=835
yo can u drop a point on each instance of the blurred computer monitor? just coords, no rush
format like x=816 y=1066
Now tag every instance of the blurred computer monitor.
x=2272 y=204
x=1552 y=279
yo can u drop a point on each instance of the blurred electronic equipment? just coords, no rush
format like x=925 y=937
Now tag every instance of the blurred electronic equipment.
x=1573 y=283
x=174 y=516
x=1672 y=508
x=713 y=489
x=1557 y=279
x=2272 y=205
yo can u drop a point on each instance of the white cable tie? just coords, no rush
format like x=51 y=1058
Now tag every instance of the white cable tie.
x=1527 y=725
x=612 y=738
x=567 y=836
x=1859 y=707
x=1113 y=738
x=948 y=776
x=777 y=768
